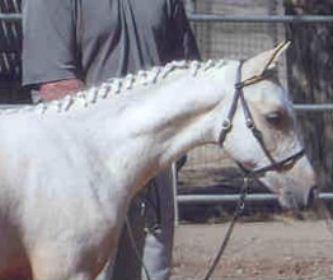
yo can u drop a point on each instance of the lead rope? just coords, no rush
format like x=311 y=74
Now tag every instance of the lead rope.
x=238 y=211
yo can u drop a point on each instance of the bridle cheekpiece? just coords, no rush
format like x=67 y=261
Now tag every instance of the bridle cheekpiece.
x=275 y=165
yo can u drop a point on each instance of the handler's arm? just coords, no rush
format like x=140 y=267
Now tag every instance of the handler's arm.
x=50 y=58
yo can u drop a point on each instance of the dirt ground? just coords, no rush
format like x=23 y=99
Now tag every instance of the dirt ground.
x=278 y=250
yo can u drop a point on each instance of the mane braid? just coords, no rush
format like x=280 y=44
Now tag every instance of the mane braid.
x=115 y=86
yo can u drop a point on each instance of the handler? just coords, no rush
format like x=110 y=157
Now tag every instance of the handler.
x=69 y=44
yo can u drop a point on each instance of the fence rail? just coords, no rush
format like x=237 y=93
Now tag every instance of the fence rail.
x=232 y=198
x=298 y=107
x=255 y=19
x=10 y=16
x=223 y=18
x=313 y=107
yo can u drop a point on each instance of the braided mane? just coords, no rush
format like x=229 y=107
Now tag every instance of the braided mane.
x=115 y=86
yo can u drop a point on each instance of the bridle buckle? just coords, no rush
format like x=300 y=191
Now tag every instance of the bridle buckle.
x=226 y=125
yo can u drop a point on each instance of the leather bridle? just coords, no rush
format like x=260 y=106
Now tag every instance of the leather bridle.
x=275 y=165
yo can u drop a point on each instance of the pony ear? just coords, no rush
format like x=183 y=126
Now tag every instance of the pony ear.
x=267 y=60
x=275 y=54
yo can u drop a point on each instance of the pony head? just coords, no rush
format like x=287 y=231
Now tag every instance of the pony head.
x=264 y=138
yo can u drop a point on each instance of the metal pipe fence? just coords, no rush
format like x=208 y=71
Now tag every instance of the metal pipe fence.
x=215 y=33
x=11 y=17
x=300 y=108
x=263 y=19
x=194 y=17
x=232 y=198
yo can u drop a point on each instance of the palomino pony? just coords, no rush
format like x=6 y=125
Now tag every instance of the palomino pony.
x=69 y=168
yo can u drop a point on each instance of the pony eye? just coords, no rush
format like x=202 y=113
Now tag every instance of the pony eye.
x=274 y=118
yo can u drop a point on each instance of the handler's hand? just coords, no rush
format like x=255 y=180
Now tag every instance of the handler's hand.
x=58 y=89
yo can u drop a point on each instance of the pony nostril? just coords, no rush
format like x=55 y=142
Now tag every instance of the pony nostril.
x=312 y=197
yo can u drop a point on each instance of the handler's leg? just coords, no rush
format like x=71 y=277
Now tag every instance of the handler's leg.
x=160 y=228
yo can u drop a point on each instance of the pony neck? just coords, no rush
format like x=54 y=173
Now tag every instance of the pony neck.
x=150 y=128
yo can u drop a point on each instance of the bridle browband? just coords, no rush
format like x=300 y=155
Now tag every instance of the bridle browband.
x=274 y=165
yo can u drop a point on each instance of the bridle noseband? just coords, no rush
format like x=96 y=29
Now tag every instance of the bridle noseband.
x=280 y=165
